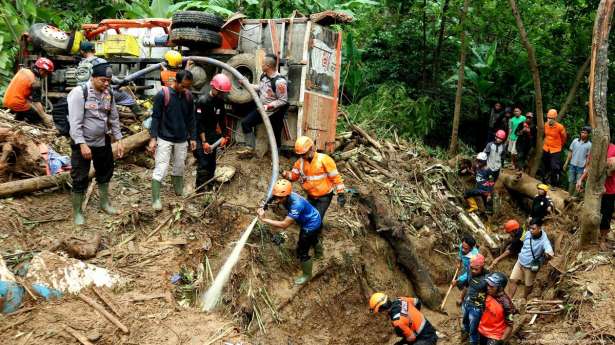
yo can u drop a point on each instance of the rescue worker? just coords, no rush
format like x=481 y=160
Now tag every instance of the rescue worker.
x=210 y=123
x=541 y=203
x=513 y=247
x=172 y=133
x=555 y=138
x=526 y=140
x=473 y=296
x=513 y=123
x=90 y=120
x=485 y=180
x=84 y=69
x=23 y=96
x=273 y=91
x=300 y=211
x=467 y=251
x=318 y=176
x=173 y=59
x=409 y=323
x=577 y=158
x=495 y=152
x=496 y=324
x=535 y=251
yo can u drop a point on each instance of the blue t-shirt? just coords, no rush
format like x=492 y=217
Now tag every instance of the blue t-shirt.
x=540 y=246
x=303 y=213
x=465 y=262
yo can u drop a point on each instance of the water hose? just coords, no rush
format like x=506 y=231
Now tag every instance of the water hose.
x=275 y=164
x=138 y=74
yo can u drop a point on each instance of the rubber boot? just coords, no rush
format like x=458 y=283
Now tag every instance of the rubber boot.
x=251 y=140
x=103 y=193
x=77 y=201
x=473 y=205
x=156 y=203
x=178 y=185
x=319 y=250
x=307 y=272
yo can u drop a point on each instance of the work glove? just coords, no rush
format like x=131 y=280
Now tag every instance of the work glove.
x=341 y=199
x=279 y=238
x=206 y=148
x=223 y=142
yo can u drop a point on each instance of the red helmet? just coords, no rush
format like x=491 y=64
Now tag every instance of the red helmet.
x=44 y=64
x=221 y=83
x=500 y=134
x=511 y=226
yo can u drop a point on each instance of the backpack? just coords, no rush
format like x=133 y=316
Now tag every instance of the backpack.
x=60 y=112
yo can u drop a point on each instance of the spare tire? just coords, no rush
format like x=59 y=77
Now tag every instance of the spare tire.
x=49 y=38
x=195 y=37
x=246 y=65
x=191 y=19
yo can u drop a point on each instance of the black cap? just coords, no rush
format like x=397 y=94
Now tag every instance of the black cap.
x=102 y=70
x=86 y=46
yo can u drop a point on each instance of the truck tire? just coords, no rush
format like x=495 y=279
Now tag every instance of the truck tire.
x=195 y=37
x=49 y=38
x=246 y=65
x=190 y=19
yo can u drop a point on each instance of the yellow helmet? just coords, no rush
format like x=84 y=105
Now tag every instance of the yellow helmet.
x=376 y=301
x=282 y=188
x=543 y=187
x=303 y=145
x=173 y=58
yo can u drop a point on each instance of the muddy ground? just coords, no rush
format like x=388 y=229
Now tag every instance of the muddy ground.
x=260 y=305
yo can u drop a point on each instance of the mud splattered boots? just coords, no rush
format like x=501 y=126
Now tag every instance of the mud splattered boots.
x=103 y=191
x=307 y=272
x=473 y=206
x=319 y=250
x=77 y=201
x=156 y=203
x=178 y=185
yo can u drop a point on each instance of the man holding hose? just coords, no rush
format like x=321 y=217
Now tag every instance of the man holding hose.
x=305 y=215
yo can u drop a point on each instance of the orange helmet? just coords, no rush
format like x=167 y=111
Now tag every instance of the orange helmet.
x=552 y=114
x=376 y=301
x=511 y=225
x=303 y=144
x=282 y=188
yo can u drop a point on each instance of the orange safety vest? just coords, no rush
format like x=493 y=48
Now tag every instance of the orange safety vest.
x=19 y=90
x=555 y=138
x=410 y=320
x=167 y=77
x=318 y=177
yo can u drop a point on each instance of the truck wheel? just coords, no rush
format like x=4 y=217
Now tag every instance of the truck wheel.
x=190 y=19
x=49 y=38
x=195 y=37
x=246 y=65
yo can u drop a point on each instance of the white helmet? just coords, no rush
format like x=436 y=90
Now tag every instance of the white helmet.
x=481 y=156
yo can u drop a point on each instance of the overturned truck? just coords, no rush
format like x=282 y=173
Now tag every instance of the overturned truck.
x=308 y=52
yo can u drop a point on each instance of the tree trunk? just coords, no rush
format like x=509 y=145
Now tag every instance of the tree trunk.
x=452 y=150
x=37 y=183
x=598 y=77
x=526 y=185
x=424 y=45
x=436 y=56
x=531 y=57
x=573 y=89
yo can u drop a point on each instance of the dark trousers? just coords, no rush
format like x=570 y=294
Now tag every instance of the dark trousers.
x=552 y=165
x=206 y=164
x=606 y=211
x=321 y=204
x=103 y=165
x=306 y=241
x=28 y=116
x=427 y=336
x=254 y=118
x=489 y=341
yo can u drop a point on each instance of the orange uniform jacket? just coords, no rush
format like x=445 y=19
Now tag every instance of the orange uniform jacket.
x=555 y=138
x=19 y=90
x=408 y=321
x=318 y=177
x=167 y=77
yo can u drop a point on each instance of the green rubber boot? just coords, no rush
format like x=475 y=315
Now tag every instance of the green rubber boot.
x=156 y=203
x=103 y=193
x=319 y=250
x=178 y=185
x=77 y=201
x=307 y=272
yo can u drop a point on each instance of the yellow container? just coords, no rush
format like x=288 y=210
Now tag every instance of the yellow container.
x=121 y=45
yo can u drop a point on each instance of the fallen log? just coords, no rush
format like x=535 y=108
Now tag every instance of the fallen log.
x=386 y=224
x=526 y=185
x=38 y=183
x=367 y=137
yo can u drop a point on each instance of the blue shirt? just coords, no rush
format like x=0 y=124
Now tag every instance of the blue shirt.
x=540 y=246
x=303 y=213
x=465 y=262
